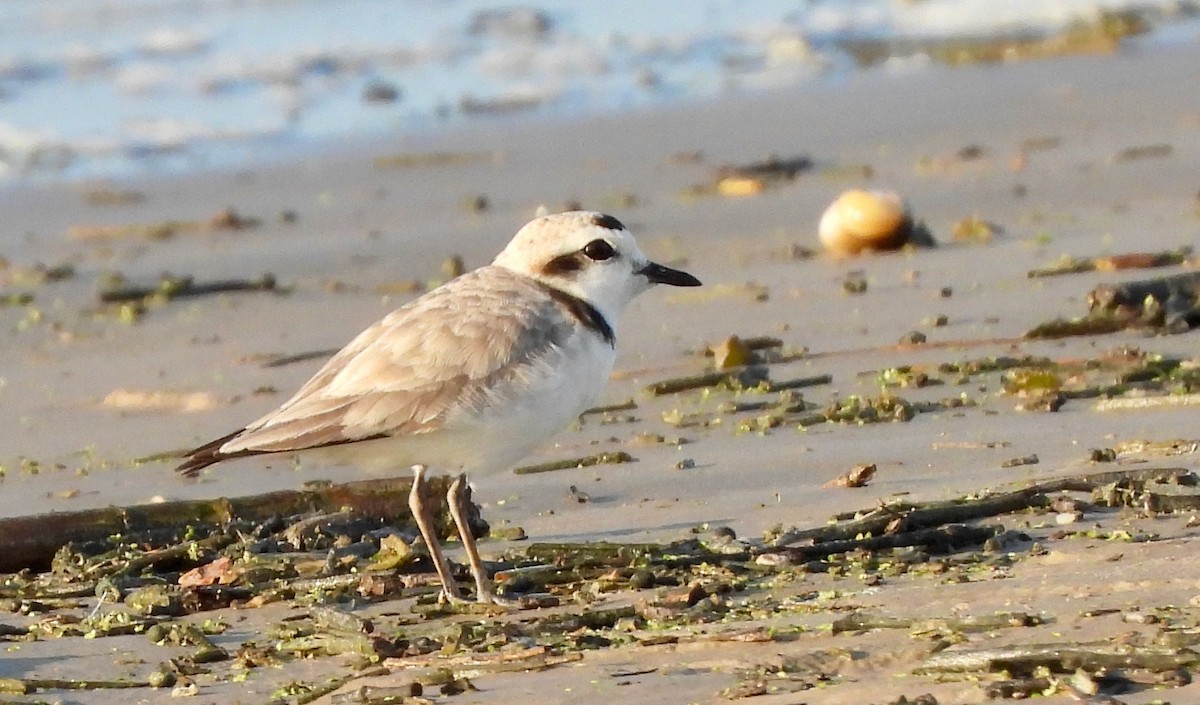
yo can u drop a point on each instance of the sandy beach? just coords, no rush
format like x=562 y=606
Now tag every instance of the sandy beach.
x=1079 y=156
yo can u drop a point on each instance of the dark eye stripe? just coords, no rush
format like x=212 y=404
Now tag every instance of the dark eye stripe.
x=564 y=264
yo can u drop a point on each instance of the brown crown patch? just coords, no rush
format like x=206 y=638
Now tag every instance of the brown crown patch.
x=607 y=221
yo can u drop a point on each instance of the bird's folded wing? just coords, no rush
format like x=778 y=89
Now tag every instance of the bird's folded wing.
x=407 y=373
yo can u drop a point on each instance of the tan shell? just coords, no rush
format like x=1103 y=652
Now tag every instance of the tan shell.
x=865 y=220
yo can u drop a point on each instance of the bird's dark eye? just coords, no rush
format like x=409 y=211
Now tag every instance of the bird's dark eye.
x=599 y=250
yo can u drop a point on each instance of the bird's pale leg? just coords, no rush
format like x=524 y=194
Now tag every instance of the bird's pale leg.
x=419 y=507
x=458 y=497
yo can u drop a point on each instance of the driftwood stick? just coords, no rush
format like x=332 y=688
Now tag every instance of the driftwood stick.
x=32 y=685
x=615 y=458
x=940 y=538
x=284 y=360
x=1096 y=480
x=911 y=518
x=30 y=542
x=863 y=621
x=1058 y=658
x=907 y=518
x=184 y=287
x=740 y=377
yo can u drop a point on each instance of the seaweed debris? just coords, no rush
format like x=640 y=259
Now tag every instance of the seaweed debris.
x=361 y=607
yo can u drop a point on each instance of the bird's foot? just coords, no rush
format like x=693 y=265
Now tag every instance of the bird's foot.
x=446 y=597
x=531 y=601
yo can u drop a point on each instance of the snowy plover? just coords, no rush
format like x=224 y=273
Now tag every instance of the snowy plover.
x=471 y=375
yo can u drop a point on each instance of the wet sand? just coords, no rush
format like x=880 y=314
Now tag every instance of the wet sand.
x=358 y=227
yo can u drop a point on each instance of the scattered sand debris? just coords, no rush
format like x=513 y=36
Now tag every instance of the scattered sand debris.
x=730 y=353
x=1145 y=151
x=1122 y=377
x=1019 y=461
x=477 y=203
x=105 y=196
x=855 y=282
x=1163 y=305
x=224 y=219
x=1141 y=403
x=1158 y=449
x=952 y=162
x=975 y=229
x=734 y=352
x=1166 y=303
x=35 y=275
x=1113 y=263
x=453 y=267
x=160 y=400
x=857 y=476
x=856 y=173
x=414 y=160
x=216 y=572
x=21 y=298
x=740 y=186
x=1068 y=327
x=1040 y=144
x=753 y=178
x=1116 y=488
x=970 y=445
x=770 y=169
x=378 y=91
x=343 y=598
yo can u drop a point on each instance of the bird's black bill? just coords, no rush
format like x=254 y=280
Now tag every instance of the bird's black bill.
x=658 y=274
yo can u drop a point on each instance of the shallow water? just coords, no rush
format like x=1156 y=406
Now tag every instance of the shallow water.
x=97 y=88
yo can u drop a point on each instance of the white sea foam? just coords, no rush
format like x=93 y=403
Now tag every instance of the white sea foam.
x=75 y=74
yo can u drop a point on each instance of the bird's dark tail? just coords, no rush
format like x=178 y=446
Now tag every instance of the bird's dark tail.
x=197 y=459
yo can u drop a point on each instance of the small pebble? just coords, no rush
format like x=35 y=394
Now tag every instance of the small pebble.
x=1140 y=618
x=476 y=204
x=773 y=560
x=1016 y=462
x=381 y=92
x=855 y=283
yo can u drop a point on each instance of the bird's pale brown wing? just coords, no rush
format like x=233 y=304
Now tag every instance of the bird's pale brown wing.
x=409 y=371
